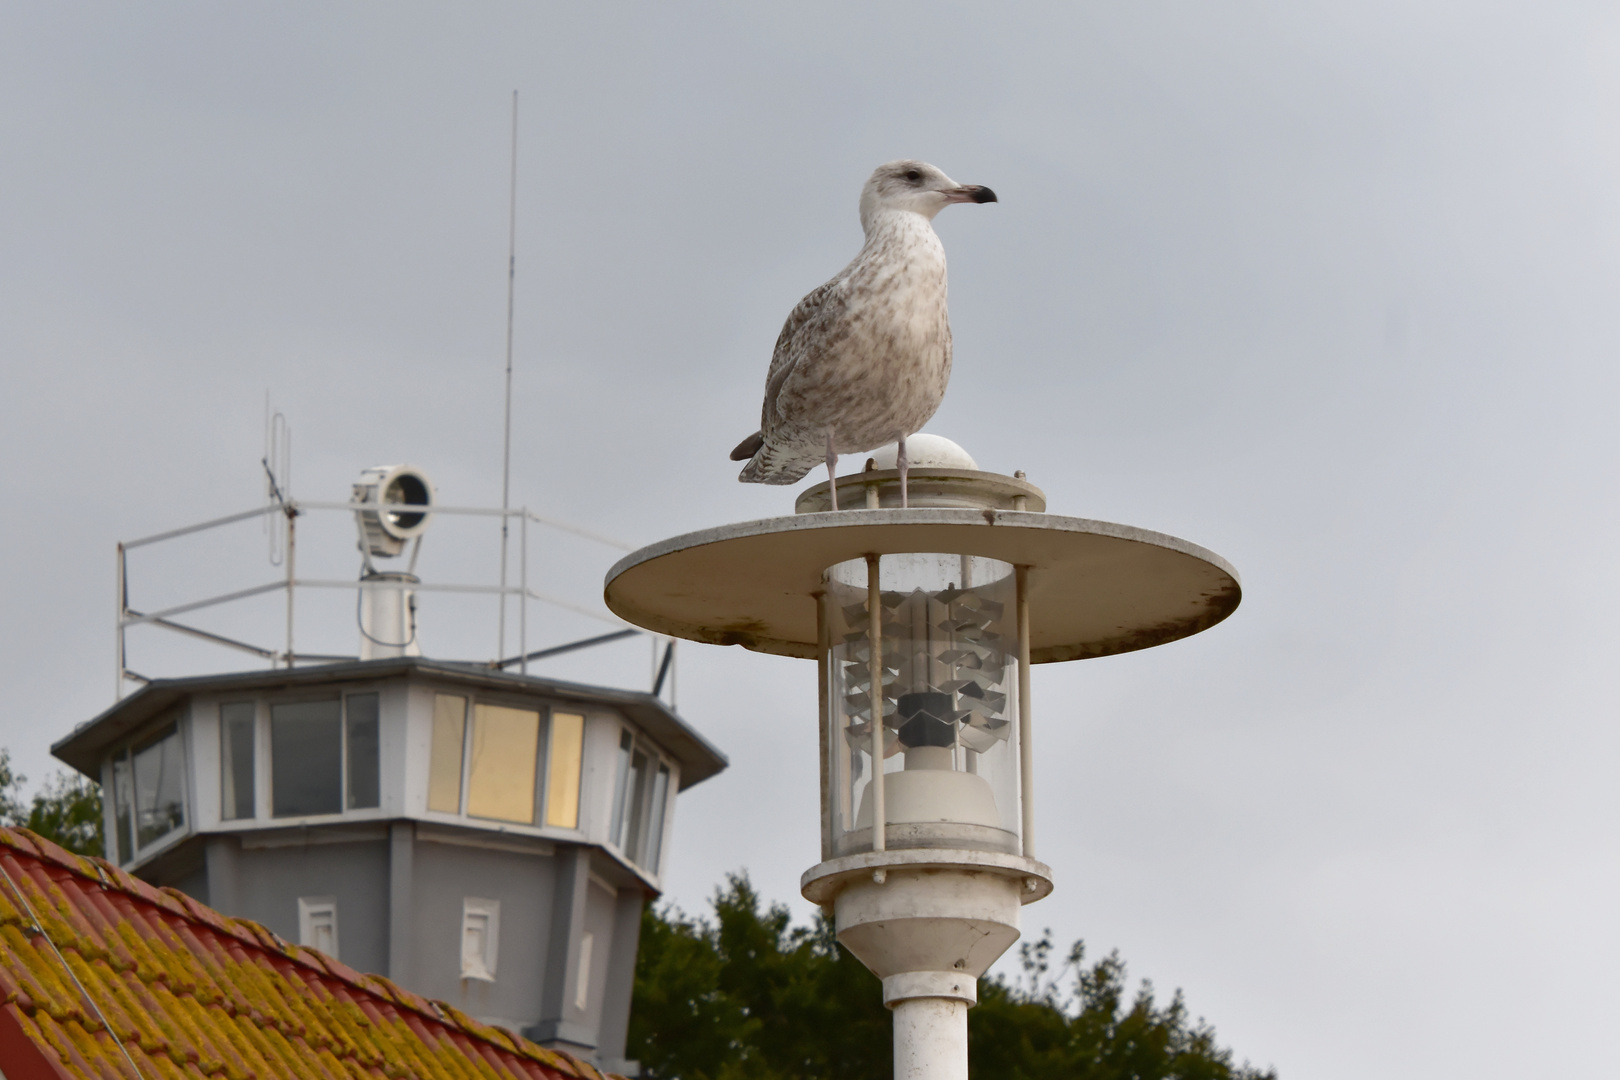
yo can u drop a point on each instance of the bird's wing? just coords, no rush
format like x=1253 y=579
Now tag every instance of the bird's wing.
x=818 y=304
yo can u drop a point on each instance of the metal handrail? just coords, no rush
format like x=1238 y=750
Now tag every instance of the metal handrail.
x=290 y=510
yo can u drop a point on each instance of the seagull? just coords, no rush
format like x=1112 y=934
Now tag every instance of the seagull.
x=863 y=360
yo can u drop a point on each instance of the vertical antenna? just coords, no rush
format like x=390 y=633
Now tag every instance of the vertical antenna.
x=506 y=447
x=277 y=463
x=270 y=483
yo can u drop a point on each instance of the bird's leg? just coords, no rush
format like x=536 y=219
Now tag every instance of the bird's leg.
x=832 y=470
x=900 y=460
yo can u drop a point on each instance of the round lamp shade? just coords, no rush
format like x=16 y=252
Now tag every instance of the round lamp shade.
x=1095 y=588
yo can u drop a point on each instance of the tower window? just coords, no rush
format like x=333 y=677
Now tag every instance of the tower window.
x=360 y=751
x=159 y=786
x=321 y=760
x=480 y=930
x=655 y=827
x=564 y=757
x=487 y=761
x=306 y=758
x=640 y=793
x=149 y=791
x=444 y=766
x=236 y=759
x=621 y=785
x=635 y=809
x=501 y=767
x=317 y=923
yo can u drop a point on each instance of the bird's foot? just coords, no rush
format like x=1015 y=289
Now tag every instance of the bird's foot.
x=905 y=468
x=832 y=472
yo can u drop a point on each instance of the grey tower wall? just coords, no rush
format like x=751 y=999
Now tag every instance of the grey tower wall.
x=400 y=875
x=399 y=898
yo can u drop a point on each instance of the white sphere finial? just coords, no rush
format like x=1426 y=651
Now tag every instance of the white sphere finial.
x=924 y=450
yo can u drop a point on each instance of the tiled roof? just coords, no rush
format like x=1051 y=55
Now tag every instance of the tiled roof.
x=189 y=992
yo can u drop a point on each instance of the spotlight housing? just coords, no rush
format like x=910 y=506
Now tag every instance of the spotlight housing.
x=386 y=531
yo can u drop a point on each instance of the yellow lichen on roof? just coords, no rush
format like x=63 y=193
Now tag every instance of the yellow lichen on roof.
x=184 y=991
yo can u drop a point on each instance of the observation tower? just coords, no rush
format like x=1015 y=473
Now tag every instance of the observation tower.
x=478 y=834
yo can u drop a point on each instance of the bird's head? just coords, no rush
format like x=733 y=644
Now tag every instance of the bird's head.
x=917 y=187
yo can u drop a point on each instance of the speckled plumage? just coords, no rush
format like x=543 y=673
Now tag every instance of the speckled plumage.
x=866 y=356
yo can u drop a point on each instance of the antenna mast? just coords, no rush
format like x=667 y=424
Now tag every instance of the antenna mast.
x=506 y=448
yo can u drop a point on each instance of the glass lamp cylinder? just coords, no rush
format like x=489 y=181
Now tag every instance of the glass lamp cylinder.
x=941 y=705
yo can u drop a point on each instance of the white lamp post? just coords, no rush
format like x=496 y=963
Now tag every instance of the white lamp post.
x=924 y=623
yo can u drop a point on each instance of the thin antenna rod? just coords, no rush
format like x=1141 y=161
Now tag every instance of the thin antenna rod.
x=506 y=448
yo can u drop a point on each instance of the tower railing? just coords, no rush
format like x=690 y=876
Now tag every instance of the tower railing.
x=288 y=511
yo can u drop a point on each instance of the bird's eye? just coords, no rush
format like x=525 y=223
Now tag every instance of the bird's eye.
x=913 y=175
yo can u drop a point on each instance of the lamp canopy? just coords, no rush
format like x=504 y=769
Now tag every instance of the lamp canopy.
x=1096 y=588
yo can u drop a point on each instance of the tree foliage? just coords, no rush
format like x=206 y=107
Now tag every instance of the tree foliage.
x=749 y=996
x=67 y=810
x=1038 y=1027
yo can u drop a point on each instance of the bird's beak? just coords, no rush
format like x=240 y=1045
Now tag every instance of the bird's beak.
x=969 y=193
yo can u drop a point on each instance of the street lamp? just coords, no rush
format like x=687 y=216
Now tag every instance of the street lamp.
x=924 y=623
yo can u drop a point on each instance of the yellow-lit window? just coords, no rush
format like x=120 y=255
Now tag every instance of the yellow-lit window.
x=562 y=771
x=500 y=776
x=444 y=764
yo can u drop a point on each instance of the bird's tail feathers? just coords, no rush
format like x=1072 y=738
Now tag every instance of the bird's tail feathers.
x=771 y=465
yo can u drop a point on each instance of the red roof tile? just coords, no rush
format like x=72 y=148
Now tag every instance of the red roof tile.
x=189 y=992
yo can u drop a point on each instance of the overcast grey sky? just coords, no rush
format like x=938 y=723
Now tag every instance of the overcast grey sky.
x=1328 y=289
